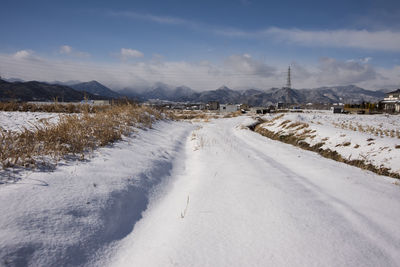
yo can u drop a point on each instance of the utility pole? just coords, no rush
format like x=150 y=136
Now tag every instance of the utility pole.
x=289 y=82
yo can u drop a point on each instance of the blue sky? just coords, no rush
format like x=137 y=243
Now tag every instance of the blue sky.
x=203 y=44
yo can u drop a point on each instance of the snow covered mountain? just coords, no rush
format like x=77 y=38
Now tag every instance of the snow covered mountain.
x=95 y=88
x=257 y=97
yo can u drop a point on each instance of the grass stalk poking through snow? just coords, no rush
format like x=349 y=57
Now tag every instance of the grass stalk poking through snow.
x=183 y=214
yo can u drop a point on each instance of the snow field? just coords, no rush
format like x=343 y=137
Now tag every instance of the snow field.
x=371 y=138
x=201 y=194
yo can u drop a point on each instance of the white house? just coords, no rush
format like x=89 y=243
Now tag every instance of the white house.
x=392 y=101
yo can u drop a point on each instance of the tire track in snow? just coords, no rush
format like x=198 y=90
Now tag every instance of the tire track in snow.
x=371 y=231
x=251 y=208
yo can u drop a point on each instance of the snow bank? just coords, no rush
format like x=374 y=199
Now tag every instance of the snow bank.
x=64 y=217
x=374 y=139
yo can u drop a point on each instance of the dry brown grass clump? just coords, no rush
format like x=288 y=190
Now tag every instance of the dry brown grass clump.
x=377 y=131
x=284 y=123
x=233 y=114
x=192 y=115
x=73 y=134
x=298 y=125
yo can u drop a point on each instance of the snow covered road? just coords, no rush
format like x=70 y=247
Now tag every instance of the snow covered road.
x=236 y=198
x=202 y=194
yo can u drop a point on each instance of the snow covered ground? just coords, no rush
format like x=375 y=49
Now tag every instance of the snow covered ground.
x=372 y=138
x=63 y=217
x=202 y=194
x=16 y=121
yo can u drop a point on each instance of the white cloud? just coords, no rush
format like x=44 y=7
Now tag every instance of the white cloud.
x=150 y=17
x=337 y=72
x=373 y=40
x=68 y=50
x=246 y=65
x=235 y=71
x=65 y=49
x=24 y=54
x=127 y=53
x=366 y=59
x=384 y=40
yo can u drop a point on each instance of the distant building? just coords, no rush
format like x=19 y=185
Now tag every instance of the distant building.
x=337 y=109
x=392 y=102
x=281 y=105
x=228 y=108
x=244 y=107
x=213 y=105
x=260 y=110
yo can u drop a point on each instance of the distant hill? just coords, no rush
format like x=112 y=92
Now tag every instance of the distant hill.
x=95 y=88
x=28 y=91
x=257 y=97
x=222 y=94
x=67 y=83
x=39 y=91
x=13 y=80
x=344 y=94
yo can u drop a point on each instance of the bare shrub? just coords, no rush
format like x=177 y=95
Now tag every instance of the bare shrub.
x=74 y=134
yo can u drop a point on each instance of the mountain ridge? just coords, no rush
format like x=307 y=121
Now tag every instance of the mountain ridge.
x=259 y=97
x=253 y=96
x=40 y=91
x=95 y=88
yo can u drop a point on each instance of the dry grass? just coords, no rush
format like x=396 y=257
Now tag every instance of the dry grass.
x=273 y=119
x=73 y=135
x=52 y=108
x=206 y=116
x=299 y=125
x=284 y=123
x=327 y=153
x=377 y=131
x=233 y=114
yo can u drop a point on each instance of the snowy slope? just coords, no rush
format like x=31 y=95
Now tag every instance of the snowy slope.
x=240 y=199
x=61 y=218
x=372 y=138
